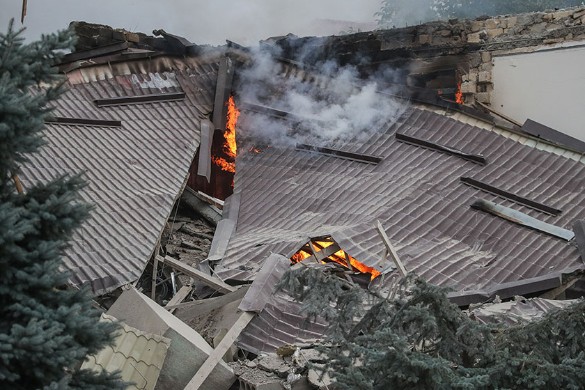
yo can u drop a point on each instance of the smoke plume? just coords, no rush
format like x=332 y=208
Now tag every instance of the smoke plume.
x=327 y=105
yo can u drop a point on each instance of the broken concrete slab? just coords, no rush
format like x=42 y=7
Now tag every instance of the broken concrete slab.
x=188 y=350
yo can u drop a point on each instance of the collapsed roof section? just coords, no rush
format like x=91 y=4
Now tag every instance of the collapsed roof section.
x=429 y=171
x=133 y=127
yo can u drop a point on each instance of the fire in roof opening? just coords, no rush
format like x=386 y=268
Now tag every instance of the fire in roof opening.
x=229 y=148
x=325 y=250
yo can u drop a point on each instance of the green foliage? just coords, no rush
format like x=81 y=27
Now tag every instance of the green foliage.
x=419 y=340
x=403 y=12
x=46 y=328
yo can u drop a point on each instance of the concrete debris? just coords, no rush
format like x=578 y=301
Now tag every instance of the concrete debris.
x=138 y=311
x=320 y=379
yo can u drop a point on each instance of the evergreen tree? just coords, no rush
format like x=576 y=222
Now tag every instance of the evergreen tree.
x=417 y=339
x=46 y=328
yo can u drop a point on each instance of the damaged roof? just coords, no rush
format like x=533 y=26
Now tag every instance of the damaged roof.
x=133 y=129
x=420 y=193
x=138 y=355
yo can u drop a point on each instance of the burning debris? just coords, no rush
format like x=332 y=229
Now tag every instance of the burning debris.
x=229 y=147
x=324 y=250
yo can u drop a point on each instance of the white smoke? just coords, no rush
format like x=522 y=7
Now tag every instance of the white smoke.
x=329 y=105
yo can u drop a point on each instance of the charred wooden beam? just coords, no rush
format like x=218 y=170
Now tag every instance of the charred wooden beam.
x=476 y=158
x=522 y=219
x=510 y=196
x=154 y=97
x=84 y=121
x=364 y=158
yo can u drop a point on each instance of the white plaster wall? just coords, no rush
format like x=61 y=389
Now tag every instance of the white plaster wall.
x=547 y=86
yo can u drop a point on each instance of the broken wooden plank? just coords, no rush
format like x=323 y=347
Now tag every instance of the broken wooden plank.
x=178 y=298
x=391 y=251
x=211 y=281
x=17 y=183
x=522 y=219
x=216 y=356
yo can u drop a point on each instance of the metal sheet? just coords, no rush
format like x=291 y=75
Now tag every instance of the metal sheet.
x=221 y=238
x=222 y=92
x=522 y=219
x=265 y=283
x=204 y=166
x=541 y=131
x=417 y=195
x=518 y=311
x=134 y=172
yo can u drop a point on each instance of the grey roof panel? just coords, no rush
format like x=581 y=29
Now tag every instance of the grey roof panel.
x=416 y=193
x=134 y=172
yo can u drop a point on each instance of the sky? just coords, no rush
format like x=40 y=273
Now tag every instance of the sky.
x=200 y=21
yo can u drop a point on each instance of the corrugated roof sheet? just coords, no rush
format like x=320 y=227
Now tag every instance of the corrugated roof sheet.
x=518 y=311
x=134 y=172
x=288 y=196
x=138 y=355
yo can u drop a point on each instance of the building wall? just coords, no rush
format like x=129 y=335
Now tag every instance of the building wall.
x=546 y=86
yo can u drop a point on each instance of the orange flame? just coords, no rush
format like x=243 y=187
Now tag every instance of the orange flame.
x=224 y=164
x=229 y=146
x=459 y=94
x=300 y=256
x=340 y=257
